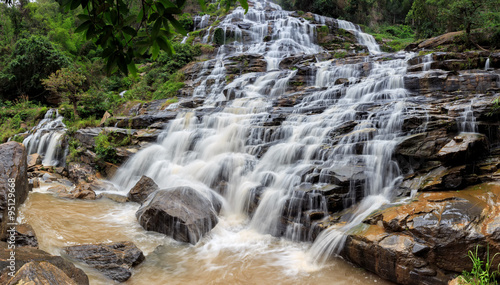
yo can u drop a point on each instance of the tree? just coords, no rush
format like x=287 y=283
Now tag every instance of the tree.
x=67 y=83
x=33 y=59
x=125 y=34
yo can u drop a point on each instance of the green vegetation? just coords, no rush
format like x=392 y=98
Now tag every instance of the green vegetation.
x=481 y=272
x=106 y=144
x=18 y=117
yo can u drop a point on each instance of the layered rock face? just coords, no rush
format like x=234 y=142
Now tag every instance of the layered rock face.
x=14 y=185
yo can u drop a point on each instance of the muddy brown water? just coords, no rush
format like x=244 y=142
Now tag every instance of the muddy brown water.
x=231 y=254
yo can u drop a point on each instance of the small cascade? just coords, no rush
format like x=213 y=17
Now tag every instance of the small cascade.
x=46 y=139
x=467 y=122
x=363 y=38
x=487 y=64
x=427 y=61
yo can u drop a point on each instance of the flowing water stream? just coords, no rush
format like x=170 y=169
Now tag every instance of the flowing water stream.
x=235 y=152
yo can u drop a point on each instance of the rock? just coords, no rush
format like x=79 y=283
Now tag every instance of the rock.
x=115 y=197
x=81 y=172
x=26 y=255
x=36 y=183
x=181 y=213
x=143 y=121
x=464 y=148
x=87 y=136
x=34 y=159
x=113 y=259
x=105 y=117
x=83 y=191
x=14 y=184
x=40 y=273
x=142 y=189
x=25 y=236
x=426 y=241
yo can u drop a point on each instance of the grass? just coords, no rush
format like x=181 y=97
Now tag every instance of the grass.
x=481 y=273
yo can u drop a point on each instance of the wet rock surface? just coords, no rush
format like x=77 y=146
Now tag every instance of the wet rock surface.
x=114 y=260
x=181 y=213
x=25 y=255
x=40 y=273
x=142 y=189
x=14 y=185
x=426 y=241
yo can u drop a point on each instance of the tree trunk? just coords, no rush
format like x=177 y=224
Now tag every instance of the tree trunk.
x=75 y=110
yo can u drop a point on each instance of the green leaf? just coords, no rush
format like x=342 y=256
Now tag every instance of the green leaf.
x=130 y=31
x=122 y=64
x=132 y=68
x=75 y=4
x=156 y=28
x=178 y=26
x=167 y=3
x=83 y=27
x=155 y=50
x=244 y=5
x=140 y=16
x=165 y=45
x=83 y=17
x=180 y=3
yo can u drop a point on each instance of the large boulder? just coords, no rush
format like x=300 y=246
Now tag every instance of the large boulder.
x=114 y=259
x=427 y=240
x=463 y=148
x=142 y=189
x=26 y=255
x=40 y=273
x=14 y=184
x=182 y=213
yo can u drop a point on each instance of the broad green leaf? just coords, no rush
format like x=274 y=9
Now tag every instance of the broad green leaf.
x=155 y=50
x=130 y=31
x=83 y=27
x=178 y=27
x=244 y=5
x=75 y=4
x=83 y=17
x=156 y=28
x=165 y=45
x=132 y=68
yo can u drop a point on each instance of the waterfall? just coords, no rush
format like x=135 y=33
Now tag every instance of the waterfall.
x=363 y=38
x=487 y=64
x=427 y=61
x=270 y=167
x=46 y=139
x=467 y=122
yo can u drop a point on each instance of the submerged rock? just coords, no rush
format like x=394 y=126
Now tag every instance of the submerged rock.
x=142 y=189
x=114 y=260
x=181 y=213
x=13 y=181
x=26 y=255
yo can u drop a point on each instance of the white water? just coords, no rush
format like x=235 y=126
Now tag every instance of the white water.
x=224 y=153
x=487 y=64
x=363 y=38
x=427 y=61
x=467 y=121
x=46 y=139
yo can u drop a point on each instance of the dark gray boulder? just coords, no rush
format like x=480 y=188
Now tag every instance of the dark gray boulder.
x=114 y=259
x=140 y=192
x=181 y=213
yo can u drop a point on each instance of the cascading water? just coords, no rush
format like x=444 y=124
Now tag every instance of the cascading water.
x=363 y=38
x=233 y=152
x=487 y=64
x=467 y=122
x=427 y=61
x=46 y=139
